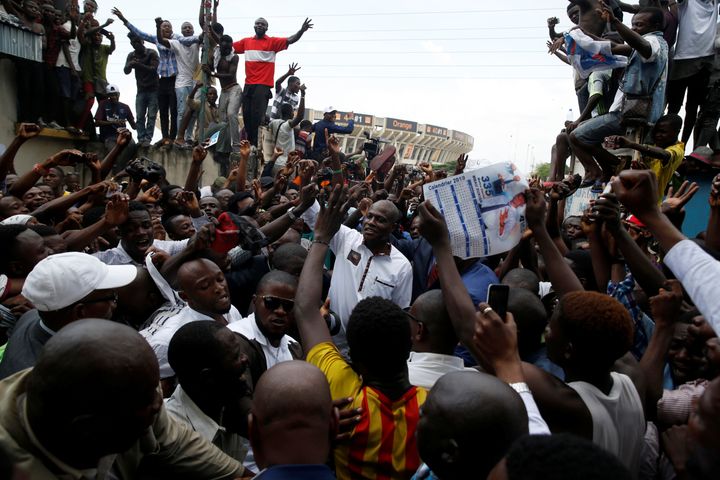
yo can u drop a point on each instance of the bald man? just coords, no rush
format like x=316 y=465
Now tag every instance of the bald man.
x=203 y=287
x=468 y=423
x=91 y=408
x=434 y=341
x=293 y=422
x=368 y=265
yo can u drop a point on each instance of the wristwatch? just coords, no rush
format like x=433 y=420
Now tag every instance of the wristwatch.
x=520 y=387
x=292 y=215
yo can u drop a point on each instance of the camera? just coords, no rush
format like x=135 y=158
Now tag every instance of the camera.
x=145 y=169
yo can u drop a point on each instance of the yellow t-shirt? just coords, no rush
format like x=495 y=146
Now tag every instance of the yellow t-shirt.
x=383 y=444
x=665 y=171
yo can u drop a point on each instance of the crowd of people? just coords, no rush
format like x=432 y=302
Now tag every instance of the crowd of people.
x=306 y=317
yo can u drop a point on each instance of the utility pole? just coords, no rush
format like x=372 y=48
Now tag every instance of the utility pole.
x=206 y=6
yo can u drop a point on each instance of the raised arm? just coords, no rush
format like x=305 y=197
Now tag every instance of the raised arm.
x=633 y=39
x=7 y=160
x=158 y=33
x=647 y=150
x=301 y=109
x=121 y=142
x=313 y=328
x=278 y=227
x=307 y=25
x=459 y=304
x=61 y=159
x=291 y=71
x=562 y=277
x=193 y=176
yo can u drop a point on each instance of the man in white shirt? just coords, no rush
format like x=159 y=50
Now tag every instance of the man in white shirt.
x=693 y=60
x=203 y=286
x=434 y=341
x=213 y=390
x=367 y=265
x=272 y=318
x=282 y=130
x=187 y=52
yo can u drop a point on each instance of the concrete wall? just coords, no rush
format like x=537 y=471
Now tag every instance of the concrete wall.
x=176 y=162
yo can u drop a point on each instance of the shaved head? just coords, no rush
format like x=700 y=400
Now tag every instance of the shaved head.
x=93 y=392
x=390 y=210
x=468 y=423
x=430 y=310
x=292 y=417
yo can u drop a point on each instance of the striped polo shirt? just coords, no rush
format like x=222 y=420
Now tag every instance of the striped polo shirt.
x=383 y=445
x=260 y=58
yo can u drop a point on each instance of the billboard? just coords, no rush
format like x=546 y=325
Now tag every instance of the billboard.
x=401 y=125
x=436 y=131
x=361 y=119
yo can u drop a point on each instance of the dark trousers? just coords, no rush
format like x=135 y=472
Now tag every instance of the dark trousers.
x=254 y=106
x=167 y=107
x=31 y=88
x=696 y=87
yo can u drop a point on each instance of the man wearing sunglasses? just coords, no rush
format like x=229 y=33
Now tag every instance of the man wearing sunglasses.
x=273 y=318
x=63 y=288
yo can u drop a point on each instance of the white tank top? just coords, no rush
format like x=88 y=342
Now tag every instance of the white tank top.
x=618 y=418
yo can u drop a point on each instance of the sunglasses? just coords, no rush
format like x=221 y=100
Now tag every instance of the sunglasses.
x=272 y=303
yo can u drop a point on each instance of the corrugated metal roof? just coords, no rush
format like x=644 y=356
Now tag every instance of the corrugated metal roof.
x=18 y=41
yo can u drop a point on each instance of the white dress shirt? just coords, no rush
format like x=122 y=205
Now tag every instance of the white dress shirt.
x=159 y=338
x=698 y=272
x=424 y=368
x=273 y=355
x=359 y=274
x=184 y=409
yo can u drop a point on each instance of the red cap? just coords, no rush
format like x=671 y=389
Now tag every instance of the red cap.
x=634 y=220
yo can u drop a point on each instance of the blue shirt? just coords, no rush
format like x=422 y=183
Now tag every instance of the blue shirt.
x=319 y=130
x=168 y=63
x=296 y=472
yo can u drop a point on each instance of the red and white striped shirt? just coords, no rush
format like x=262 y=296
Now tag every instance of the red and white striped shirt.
x=260 y=58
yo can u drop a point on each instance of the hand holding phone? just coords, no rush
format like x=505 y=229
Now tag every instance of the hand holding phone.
x=497 y=298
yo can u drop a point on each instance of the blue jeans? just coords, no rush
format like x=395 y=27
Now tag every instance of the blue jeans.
x=182 y=93
x=146 y=103
x=594 y=131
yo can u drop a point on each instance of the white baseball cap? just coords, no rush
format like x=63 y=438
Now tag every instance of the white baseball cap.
x=330 y=109
x=17 y=220
x=60 y=280
x=112 y=89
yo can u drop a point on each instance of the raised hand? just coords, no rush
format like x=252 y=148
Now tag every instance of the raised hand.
x=432 y=225
x=675 y=201
x=496 y=339
x=203 y=238
x=188 y=201
x=66 y=158
x=461 y=164
x=536 y=208
x=714 y=198
x=123 y=137
x=308 y=194
x=93 y=162
x=605 y=12
x=666 y=305
x=244 y=148
x=116 y=210
x=293 y=69
x=330 y=218
x=198 y=154
x=151 y=195
x=28 y=131
x=607 y=210
x=115 y=11
x=552 y=21
x=307 y=25
x=638 y=191
x=333 y=145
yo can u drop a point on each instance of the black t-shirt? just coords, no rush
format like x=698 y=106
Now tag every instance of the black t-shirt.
x=146 y=79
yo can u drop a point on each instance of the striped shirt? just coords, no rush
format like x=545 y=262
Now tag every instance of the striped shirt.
x=260 y=58
x=168 y=61
x=383 y=445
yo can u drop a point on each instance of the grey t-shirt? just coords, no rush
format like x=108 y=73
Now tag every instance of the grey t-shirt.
x=24 y=345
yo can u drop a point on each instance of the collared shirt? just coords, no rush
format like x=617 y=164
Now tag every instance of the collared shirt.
x=184 y=409
x=285 y=96
x=159 y=338
x=168 y=62
x=25 y=344
x=360 y=274
x=273 y=355
x=260 y=58
x=425 y=368
x=697 y=271
x=624 y=293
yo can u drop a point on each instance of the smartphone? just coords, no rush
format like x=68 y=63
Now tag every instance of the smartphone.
x=497 y=298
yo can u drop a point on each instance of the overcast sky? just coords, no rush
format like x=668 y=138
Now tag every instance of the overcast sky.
x=479 y=66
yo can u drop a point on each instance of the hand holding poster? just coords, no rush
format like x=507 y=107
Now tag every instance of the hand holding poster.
x=484 y=209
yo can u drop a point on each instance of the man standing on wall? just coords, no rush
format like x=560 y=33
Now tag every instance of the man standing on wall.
x=260 y=53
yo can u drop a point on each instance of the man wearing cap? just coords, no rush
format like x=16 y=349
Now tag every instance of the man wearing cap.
x=327 y=123
x=63 y=288
x=111 y=116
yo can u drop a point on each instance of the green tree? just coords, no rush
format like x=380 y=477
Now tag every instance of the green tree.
x=542 y=171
